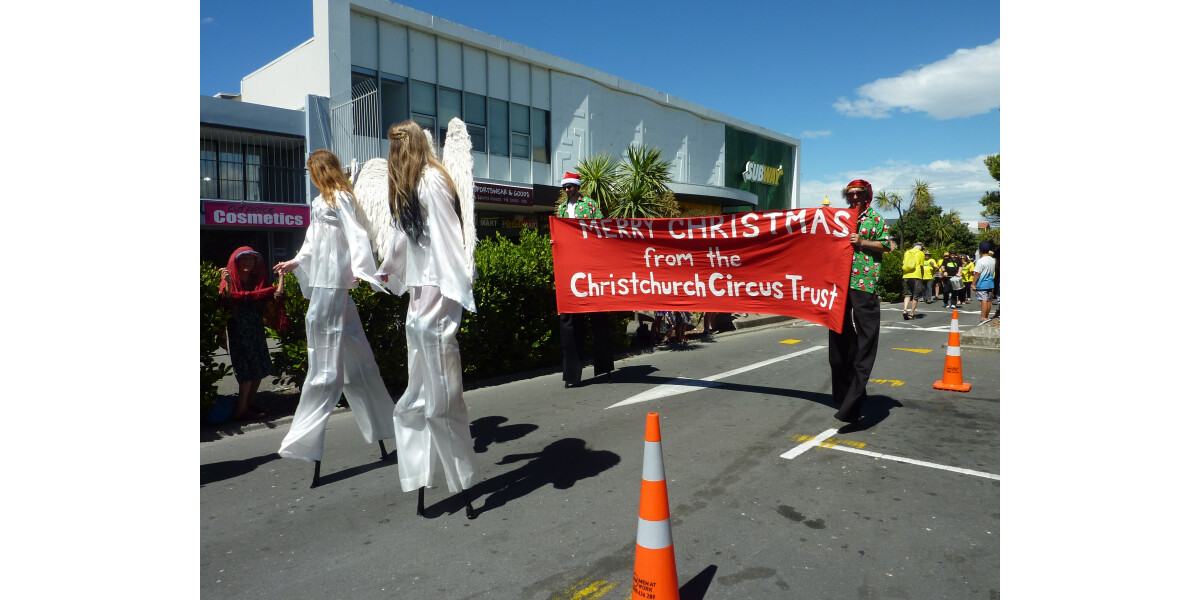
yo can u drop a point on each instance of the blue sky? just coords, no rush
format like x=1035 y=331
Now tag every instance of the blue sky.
x=886 y=91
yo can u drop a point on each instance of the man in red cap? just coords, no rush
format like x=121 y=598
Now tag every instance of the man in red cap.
x=571 y=328
x=852 y=352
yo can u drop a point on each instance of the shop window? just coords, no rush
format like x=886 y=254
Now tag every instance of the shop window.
x=475 y=115
x=519 y=119
x=423 y=99
x=365 y=107
x=539 y=128
x=209 y=180
x=497 y=127
x=253 y=174
x=394 y=100
x=231 y=172
x=449 y=107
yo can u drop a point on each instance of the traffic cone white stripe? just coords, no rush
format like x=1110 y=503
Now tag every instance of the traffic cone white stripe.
x=652 y=465
x=953 y=351
x=654 y=535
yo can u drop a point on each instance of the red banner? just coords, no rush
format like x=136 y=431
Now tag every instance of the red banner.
x=792 y=262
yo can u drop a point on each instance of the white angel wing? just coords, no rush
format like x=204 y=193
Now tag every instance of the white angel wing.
x=429 y=140
x=457 y=158
x=374 y=212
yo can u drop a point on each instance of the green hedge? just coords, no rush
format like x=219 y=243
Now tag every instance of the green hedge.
x=212 y=326
x=514 y=330
x=891 y=288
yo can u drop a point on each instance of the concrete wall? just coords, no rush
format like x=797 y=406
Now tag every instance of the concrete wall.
x=591 y=111
x=286 y=80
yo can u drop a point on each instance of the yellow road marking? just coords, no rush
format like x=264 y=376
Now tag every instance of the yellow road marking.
x=791 y=341
x=586 y=589
x=893 y=382
x=917 y=350
x=830 y=442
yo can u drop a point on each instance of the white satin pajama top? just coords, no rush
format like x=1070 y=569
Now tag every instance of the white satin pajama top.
x=336 y=248
x=440 y=259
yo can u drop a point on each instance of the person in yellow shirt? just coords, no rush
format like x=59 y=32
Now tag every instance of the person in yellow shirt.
x=911 y=277
x=967 y=277
x=927 y=271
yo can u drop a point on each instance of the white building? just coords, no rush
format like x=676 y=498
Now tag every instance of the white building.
x=531 y=115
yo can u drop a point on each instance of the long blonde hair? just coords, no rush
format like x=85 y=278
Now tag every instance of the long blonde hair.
x=408 y=155
x=326 y=172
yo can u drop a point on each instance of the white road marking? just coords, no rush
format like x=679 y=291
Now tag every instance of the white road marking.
x=798 y=450
x=683 y=385
x=802 y=448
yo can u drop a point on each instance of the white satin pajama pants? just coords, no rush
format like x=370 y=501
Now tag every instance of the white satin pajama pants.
x=431 y=420
x=339 y=361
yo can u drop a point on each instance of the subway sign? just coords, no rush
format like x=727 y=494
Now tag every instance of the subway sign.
x=762 y=173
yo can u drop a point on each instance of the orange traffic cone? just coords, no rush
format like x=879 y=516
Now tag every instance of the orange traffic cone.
x=654 y=573
x=952 y=373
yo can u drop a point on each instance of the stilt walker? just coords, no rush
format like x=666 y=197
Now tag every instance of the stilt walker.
x=335 y=252
x=428 y=248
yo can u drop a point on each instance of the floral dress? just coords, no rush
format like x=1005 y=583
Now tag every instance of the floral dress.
x=248 y=341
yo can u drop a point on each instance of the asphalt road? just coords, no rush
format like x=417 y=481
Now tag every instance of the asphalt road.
x=908 y=507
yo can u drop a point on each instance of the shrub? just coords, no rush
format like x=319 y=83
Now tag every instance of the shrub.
x=212 y=327
x=891 y=288
x=515 y=328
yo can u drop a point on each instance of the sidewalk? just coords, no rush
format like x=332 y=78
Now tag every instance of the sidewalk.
x=279 y=401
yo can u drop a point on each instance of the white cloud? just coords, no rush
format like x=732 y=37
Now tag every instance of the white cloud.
x=207 y=20
x=812 y=135
x=956 y=184
x=963 y=84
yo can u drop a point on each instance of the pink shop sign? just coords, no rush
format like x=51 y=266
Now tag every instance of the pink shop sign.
x=255 y=214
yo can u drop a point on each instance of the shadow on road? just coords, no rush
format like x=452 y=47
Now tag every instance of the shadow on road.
x=697 y=587
x=561 y=464
x=488 y=430
x=220 y=471
x=874 y=412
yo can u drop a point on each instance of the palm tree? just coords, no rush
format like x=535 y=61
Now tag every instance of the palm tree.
x=922 y=196
x=892 y=200
x=946 y=226
x=641 y=183
x=598 y=181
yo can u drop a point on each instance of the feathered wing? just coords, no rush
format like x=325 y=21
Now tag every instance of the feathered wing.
x=374 y=212
x=457 y=158
x=429 y=140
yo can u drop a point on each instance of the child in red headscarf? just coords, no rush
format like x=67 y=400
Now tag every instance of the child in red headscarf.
x=244 y=290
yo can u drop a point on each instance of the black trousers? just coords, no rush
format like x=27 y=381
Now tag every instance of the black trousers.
x=852 y=354
x=572 y=332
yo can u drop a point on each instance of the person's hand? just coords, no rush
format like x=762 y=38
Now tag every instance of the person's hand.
x=285 y=267
x=383 y=277
x=854 y=240
x=224 y=273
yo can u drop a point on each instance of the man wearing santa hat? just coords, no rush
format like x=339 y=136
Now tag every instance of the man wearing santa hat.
x=571 y=327
x=577 y=206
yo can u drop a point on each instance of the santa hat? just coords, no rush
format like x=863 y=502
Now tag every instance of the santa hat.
x=570 y=178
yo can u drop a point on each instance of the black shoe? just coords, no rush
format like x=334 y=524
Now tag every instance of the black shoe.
x=906 y=317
